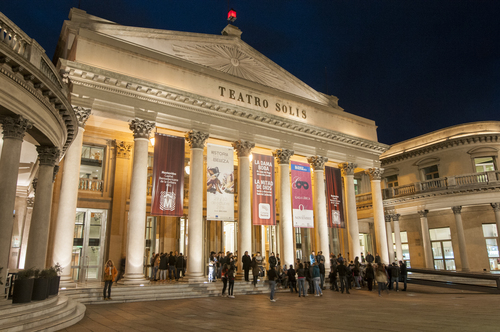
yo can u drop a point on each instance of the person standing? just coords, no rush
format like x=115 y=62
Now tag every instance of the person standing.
x=395 y=276
x=316 y=279
x=369 y=258
x=224 y=274
x=377 y=259
x=279 y=262
x=302 y=280
x=369 y=275
x=333 y=277
x=343 y=272
x=271 y=276
x=179 y=265
x=291 y=279
x=381 y=277
x=260 y=260
x=272 y=260
x=320 y=257
x=156 y=266
x=110 y=274
x=230 y=277
x=152 y=264
x=255 y=270
x=312 y=258
x=404 y=273
x=171 y=266
x=322 y=272
x=247 y=264
x=163 y=266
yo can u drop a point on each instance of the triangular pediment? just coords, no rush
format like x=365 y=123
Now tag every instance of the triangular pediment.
x=228 y=54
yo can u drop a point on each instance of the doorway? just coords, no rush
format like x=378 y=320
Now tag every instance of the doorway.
x=442 y=249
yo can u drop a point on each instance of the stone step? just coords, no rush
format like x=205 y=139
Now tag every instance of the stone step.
x=46 y=309
x=62 y=323
x=7 y=308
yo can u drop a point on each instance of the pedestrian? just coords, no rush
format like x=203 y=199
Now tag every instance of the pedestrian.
x=395 y=276
x=343 y=272
x=152 y=264
x=356 y=272
x=255 y=270
x=312 y=258
x=362 y=258
x=291 y=279
x=302 y=280
x=260 y=261
x=171 y=266
x=110 y=274
x=156 y=266
x=179 y=266
x=279 y=262
x=369 y=258
x=308 y=272
x=271 y=277
x=322 y=272
x=212 y=267
x=404 y=273
x=316 y=280
x=340 y=258
x=377 y=259
x=272 y=260
x=381 y=277
x=246 y=260
x=230 y=277
x=224 y=273
x=369 y=275
x=333 y=277
x=163 y=266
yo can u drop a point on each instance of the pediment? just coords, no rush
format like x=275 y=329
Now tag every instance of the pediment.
x=227 y=54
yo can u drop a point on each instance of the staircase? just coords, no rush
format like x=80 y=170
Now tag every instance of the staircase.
x=53 y=314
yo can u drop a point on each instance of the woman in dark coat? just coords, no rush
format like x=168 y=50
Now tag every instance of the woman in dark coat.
x=255 y=271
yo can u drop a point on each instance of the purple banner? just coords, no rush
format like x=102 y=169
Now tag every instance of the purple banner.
x=302 y=202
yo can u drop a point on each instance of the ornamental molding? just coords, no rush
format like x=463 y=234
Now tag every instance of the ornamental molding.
x=456 y=209
x=423 y=213
x=375 y=173
x=395 y=217
x=450 y=143
x=82 y=115
x=141 y=128
x=243 y=148
x=283 y=155
x=15 y=127
x=196 y=139
x=496 y=207
x=162 y=95
x=56 y=170
x=123 y=149
x=388 y=218
x=347 y=168
x=317 y=162
x=48 y=155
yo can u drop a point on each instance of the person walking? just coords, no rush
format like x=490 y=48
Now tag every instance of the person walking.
x=110 y=274
x=343 y=272
x=246 y=260
x=230 y=277
x=224 y=274
x=301 y=276
x=395 y=276
x=255 y=271
x=369 y=275
x=333 y=278
x=292 y=283
x=381 y=277
x=271 y=276
x=404 y=273
x=316 y=279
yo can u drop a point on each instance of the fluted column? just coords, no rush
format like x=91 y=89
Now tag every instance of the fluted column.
x=14 y=129
x=378 y=215
x=457 y=211
x=196 y=140
x=243 y=149
x=36 y=253
x=137 y=212
x=352 y=214
x=321 y=220
x=68 y=198
x=285 y=202
x=426 y=241
x=388 y=238
x=397 y=236
x=496 y=209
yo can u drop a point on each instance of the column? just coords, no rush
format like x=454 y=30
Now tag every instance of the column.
x=66 y=212
x=136 y=225
x=426 y=241
x=457 y=211
x=321 y=220
x=36 y=253
x=378 y=214
x=285 y=204
x=243 y=150
x=390 y=247
x=496 y=209
x=14 y=129
x=352 y=214
x=195 y=266
x=397 y=236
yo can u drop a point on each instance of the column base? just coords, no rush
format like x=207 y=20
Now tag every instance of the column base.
x=67 y=282
x=196 y=278
x=466 y=270
x=134 y=279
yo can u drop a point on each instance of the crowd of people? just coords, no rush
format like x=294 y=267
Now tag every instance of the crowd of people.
x=167 y=267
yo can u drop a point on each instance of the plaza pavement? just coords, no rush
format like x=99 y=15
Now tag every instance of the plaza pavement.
x=421 y=308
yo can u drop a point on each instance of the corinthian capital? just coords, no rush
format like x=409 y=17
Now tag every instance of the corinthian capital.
x=396 y=216
x=375 y=173
x=317 y=162
x=423 y=213
x=141 y=128
x=82 y=115
x=123 y=149
x=15 y=127
x=495 y=206
x=196 y=139
x=243 y=148
x=283 y=155
x=456 y=209
x=47 y=155
x=347 y=168
x=388 y=218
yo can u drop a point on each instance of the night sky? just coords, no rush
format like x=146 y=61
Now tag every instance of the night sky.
x=412 y=66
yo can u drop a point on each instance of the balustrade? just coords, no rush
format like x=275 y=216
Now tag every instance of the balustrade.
x=92 y=185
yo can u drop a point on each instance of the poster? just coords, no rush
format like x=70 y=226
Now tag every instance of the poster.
x=264 y=209
x=220 y=183
x=302 y=202
x=334 y=198
x=168 y=176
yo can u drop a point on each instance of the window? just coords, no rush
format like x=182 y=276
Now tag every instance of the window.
x=442 y=249
x=430 y=172
x=150 y=174
x=490 y=235
x=392 y=181
x=356 y=187
x=91 y=162
x=484 y=164
x=405 y=247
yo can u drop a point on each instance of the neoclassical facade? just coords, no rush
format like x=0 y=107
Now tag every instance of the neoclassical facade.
x=442 y=192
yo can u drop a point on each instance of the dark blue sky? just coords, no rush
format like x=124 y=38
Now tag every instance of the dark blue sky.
x=412 y=66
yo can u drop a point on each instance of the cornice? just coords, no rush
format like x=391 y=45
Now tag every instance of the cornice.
x=162 y=95
x=467 y=140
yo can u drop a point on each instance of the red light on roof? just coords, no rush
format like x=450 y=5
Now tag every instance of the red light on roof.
x=231 y=15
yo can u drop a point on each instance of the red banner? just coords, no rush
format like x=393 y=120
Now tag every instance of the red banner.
x=334 y=197
x=264 y=210
x=168 y=176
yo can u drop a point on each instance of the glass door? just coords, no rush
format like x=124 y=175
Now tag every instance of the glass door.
x=88 y=245
x=442 y=249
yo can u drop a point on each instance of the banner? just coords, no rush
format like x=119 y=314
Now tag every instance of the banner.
x=220 y=183
x=302 y=202
x=334 y=198
x=168 y=176
x=264 y=209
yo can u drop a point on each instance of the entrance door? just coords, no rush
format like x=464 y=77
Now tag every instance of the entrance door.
x=88 y=245
x=442 y=249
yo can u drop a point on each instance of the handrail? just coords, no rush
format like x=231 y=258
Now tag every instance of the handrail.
x=485 y=276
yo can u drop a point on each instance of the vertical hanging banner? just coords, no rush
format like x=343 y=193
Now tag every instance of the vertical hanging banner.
x=264 y=209
x=302 y=202
x=220 y=183
x=168 y=176
x=334 y=197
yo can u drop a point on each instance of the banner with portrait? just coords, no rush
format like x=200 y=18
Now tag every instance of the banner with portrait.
x=334 y=198
x=220 y=183
x=302 y=203
x=168 y=176
x=264 y=209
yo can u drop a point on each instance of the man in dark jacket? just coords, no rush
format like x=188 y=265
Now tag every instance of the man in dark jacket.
x=322 y=273
x=171 y=266
x=377 y=259
x=369 y=258
x=333 y=277
x=163 y=266
x=179 y=265
x=246 y=260
x=395 y=276
x=292 y=282
x=271 y=276
x=272 y=260
x=343 y=272
x=404 y=273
